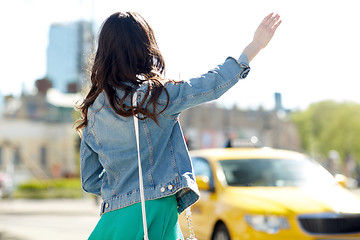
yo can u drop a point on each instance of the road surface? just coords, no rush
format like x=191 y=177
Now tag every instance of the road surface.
x=47 y=219
x=50 y=219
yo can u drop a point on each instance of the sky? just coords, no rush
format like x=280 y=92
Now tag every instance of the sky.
x=314 y=55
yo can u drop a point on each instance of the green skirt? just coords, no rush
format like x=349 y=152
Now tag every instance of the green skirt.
x=126 y=223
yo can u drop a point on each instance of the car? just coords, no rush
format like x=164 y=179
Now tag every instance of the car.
x=272 y=194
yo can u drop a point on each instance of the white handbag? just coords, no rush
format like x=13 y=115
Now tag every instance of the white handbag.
x=141 y=183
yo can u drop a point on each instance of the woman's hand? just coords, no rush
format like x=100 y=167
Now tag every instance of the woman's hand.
x=263 y=35
x=266 y=30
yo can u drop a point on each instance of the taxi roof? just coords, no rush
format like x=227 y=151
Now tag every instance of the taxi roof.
x=214 y=154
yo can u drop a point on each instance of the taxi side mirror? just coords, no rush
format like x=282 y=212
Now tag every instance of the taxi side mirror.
x=203 y=183
x=341 y=180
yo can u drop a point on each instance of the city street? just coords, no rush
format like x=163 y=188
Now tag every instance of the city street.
x=47 y=219
x=50 y=219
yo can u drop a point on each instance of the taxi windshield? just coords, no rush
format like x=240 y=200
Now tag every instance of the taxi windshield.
x=275 y=172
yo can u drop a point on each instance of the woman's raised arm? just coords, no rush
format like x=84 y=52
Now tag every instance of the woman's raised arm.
x=263 y=35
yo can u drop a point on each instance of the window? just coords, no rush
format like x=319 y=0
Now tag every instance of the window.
x=274 y=172
x=16 y=157
x=203 y=168
x=43 y=158
x=1 y=157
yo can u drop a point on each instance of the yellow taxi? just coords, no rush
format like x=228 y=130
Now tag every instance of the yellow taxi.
x=264 y=193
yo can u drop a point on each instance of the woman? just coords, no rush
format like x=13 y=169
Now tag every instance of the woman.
x=128 y=60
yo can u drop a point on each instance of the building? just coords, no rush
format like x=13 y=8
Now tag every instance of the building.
x=68 y=50
x=37 y=139
x=208 y=126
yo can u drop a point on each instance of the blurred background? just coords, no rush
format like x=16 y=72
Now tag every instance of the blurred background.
x=300 y=95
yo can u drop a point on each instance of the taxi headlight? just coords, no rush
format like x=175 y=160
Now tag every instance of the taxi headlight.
x=267 y=223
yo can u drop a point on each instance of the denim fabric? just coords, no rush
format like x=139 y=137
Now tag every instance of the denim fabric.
x=108 y=154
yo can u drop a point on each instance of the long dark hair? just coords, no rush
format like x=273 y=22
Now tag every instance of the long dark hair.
x=127 y=55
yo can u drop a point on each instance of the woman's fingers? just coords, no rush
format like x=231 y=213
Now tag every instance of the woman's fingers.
x=266 y=19
x=275 y=20
x=271 y=20
x=276 y=25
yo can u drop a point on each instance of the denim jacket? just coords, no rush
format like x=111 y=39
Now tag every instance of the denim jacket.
x=108 y=152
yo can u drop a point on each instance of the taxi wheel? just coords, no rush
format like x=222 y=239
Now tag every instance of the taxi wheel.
x=221 y=233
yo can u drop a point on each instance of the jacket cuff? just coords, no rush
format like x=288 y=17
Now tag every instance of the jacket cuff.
x=244 y=63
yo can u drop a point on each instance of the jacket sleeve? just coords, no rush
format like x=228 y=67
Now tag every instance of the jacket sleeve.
x=207 y=87
x=91 y=170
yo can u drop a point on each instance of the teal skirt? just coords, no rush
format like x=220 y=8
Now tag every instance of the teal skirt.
x=126 y=223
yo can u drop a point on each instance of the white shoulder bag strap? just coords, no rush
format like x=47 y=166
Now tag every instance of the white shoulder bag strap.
x=141 y=182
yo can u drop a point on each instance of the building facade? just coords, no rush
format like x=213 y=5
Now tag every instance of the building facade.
x=67 y=55
x=30 y=149
x=37 y=138
x=209 y=126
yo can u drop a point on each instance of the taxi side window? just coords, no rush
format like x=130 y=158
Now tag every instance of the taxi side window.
x=202 y=168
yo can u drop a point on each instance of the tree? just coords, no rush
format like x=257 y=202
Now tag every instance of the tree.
x=329 y=125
